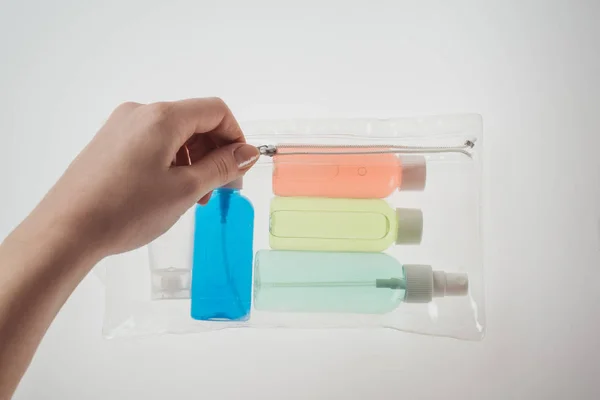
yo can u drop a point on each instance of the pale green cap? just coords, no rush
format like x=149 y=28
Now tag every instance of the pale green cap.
x=410 y=226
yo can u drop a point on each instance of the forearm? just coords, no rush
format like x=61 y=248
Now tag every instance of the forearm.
x=120 y=193
x=41 y=263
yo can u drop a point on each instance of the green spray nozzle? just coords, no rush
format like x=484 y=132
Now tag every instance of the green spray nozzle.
x=391 y=283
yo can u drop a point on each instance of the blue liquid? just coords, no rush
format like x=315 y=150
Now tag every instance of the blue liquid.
x=222 y=266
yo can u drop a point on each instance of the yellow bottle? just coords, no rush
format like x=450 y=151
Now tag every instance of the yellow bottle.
x=324 y=224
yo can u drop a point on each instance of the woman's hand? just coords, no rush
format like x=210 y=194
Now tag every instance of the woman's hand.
x=145 y=167
x=127 y=186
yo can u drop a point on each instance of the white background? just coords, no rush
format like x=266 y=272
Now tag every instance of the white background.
x=532 y=69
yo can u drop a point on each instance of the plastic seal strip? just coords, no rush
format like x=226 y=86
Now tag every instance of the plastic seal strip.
x=270 y=150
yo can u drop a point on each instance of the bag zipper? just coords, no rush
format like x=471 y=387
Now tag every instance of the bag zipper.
x=270 y=150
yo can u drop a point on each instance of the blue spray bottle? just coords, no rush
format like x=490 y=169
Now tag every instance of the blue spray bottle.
x=222 y=266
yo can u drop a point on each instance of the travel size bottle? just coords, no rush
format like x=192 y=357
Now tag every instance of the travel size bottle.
x=323 y=224
x=359 y=176
x=170 y=257
x=364 y=283
x=222 y=266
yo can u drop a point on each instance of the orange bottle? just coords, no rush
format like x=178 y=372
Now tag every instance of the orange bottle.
x=358 y=176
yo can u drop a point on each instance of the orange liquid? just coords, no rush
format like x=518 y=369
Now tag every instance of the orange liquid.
x=358 y=176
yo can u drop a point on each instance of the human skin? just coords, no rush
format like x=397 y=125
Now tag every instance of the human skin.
x=143 y=169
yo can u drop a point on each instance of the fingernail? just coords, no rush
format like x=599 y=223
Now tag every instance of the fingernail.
x=245 y=155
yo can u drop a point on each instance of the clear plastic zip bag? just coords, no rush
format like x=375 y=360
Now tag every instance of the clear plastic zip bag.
x=349 y=223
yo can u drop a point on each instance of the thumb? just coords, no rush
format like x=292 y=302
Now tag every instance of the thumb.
x=218 y=168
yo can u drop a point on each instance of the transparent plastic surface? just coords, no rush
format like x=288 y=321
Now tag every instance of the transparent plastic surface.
x=340 y=271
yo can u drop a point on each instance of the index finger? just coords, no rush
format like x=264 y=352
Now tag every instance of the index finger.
x=203 y=115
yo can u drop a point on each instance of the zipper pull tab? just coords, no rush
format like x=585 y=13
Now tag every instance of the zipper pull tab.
x=268 y=150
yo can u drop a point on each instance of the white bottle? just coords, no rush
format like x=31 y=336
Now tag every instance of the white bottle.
x=171 y=260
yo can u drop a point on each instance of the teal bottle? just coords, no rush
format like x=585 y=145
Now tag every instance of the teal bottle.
x=330 y=282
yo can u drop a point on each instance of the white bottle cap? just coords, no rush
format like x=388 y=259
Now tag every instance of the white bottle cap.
x=419 y=283
x=410 y=226
x=449 y=284
x=170 y=283
x=413 y=172
x=423 y=284
x=236 y=184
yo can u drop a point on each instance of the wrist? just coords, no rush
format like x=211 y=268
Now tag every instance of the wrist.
x=56 y=237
